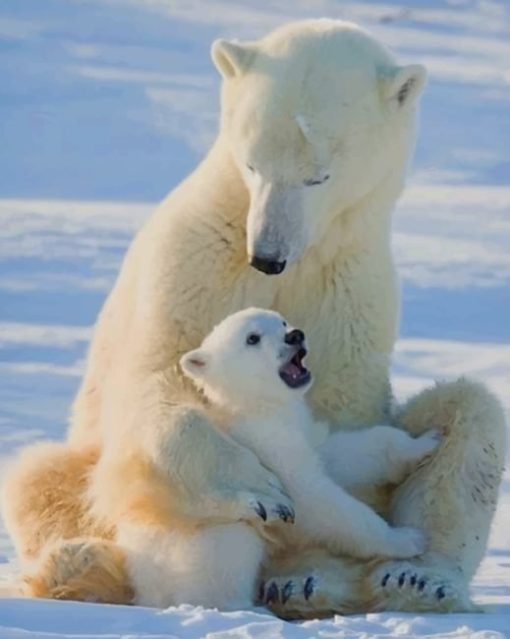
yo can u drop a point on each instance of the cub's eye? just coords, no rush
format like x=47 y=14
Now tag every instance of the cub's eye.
x=313 y=182
x=250 y=168
x=253 y=339
x=285 y=324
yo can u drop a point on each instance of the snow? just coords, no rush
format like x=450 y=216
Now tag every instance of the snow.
x=107 y=104
x=81 y=621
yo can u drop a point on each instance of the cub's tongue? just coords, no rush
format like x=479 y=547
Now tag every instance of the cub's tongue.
x=294 y=373
x=292 y=369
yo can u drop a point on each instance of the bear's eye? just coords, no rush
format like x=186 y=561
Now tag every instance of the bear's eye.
x=252 y=339
x=250 y=168
x=314 y=182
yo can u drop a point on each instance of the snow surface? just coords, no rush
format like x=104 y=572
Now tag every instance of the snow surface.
x=107 y=104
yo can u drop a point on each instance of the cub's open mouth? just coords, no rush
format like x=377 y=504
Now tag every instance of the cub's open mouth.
x=293 y=372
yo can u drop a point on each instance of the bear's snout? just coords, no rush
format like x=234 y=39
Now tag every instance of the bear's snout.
x=266 y=265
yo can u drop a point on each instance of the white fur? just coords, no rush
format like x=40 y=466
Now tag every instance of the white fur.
x=374 y=456
x=188 y=268
x=273 y=420
x=217 y=566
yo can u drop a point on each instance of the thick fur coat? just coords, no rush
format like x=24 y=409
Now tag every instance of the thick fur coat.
x=290 y=210
x=251 y=369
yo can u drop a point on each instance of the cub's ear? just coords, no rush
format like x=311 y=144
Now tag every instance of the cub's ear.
x=231 y=58
x=194 y=364
x=403 y=85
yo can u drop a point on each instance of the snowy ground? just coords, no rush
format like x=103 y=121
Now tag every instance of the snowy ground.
x=106 y=104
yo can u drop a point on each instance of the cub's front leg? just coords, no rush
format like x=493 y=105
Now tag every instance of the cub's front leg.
x=330 y=516
x=221 y=478
x=173 y=463
x=376 y=455
x=327 y=514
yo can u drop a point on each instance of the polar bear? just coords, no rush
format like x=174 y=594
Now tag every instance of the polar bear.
x=251 y=368
x=290 y=210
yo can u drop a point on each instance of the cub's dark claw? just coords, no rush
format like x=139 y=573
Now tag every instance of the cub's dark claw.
x=385 y=579
x=287 y=591
x=401 y=580
x=309 y=587
x=261 y=511
x=285 y=513
x=413 y=580
x=421 y=584
x=272 y=594
x=440 y=593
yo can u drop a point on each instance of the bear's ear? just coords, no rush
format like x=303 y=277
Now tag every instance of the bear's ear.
x=403 y=85
x=231 y=58
x=194 y=364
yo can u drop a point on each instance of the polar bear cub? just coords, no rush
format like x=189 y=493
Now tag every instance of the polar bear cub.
x=251 y=368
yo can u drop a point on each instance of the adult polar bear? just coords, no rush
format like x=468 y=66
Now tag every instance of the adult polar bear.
x=317 y=128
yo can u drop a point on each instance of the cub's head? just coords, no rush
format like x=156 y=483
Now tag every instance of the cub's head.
x=252 y=357
x=316 y=116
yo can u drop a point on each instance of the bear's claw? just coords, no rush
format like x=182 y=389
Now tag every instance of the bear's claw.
x=309 y=587
x=275 y=592
x=266 y=509
x=285 y=513
x=384 y=580
x=406 y=587
x=261 y=511
x=287 y=591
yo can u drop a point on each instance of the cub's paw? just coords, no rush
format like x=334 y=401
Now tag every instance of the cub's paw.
x=267 y=509
x=424 y=445
x=412 y=451
x=260 y=493
x=404 y=543
x=253 y=494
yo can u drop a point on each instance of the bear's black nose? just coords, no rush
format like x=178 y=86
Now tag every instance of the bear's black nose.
x=295 y=337
x=267 y=265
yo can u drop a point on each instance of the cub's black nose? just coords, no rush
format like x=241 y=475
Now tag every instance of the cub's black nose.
x=295 y=337
x=267 y=265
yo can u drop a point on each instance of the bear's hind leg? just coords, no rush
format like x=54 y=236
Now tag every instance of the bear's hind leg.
x=418 y=587
x=81 y=570
x=314 y=584
x=451 y=497
x=43 y=497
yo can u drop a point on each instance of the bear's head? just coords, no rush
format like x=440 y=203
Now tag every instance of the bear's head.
x=316 y=115
x=250 y=359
